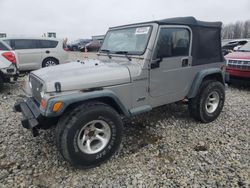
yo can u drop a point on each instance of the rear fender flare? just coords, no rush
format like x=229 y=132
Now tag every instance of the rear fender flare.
x=200 y=76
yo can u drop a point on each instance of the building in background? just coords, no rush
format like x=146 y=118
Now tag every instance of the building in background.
x=100 y=38
x=3 y=35
x=51 y=34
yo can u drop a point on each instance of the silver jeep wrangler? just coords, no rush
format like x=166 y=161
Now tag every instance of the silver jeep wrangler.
x=139 y=67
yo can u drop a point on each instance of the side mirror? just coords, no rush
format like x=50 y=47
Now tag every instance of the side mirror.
x=160 y=54
x=163 y=49
x=156 y=63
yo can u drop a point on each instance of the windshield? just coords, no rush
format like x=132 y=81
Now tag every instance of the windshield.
x=246 y=47
x=129 y=40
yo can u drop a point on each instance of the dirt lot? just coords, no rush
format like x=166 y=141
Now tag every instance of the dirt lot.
x=164 y=148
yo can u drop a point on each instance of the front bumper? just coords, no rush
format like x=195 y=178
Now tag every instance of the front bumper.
x=32 y=116
x=238 y=73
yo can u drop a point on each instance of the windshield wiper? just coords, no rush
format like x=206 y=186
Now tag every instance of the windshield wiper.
x=125 y=53
x=107 y=52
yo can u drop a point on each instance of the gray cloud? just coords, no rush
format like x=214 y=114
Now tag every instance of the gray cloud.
x=82 y=18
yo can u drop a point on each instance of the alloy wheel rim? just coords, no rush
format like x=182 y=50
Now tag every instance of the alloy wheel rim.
x=94 y=136
x=212 y=102
x=50 y=63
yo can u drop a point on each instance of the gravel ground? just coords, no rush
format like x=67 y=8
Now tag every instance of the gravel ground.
x=165 y=148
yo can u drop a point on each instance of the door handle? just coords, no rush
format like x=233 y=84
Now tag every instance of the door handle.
x=184 y=62
x=47 y=51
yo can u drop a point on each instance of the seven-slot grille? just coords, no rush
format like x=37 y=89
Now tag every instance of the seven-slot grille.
x=239 y=64
x=36 y=88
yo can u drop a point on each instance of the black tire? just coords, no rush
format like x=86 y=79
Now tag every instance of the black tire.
x=198 y=107
x=50 y=62
x=69 y=127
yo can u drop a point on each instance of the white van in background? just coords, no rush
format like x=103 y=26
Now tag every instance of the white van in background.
x=8 y=64
x=35 y=53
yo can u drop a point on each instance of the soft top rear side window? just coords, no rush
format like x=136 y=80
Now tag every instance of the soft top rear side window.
x=3 y=47
x=209 y=44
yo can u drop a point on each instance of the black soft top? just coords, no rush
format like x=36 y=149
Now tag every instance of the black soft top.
x=206 y=46
x=190 y=21
x=206 y=41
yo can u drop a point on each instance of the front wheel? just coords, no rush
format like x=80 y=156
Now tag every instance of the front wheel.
x=207 y=105
x=89 y=135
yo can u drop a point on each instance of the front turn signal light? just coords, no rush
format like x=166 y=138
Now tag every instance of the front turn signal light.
x=57 y=106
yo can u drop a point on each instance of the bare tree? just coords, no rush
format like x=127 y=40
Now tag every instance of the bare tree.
x=246 y=30
x=236 y=30
x=228 y=31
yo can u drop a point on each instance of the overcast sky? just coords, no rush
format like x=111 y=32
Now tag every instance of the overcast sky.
x=82 y=19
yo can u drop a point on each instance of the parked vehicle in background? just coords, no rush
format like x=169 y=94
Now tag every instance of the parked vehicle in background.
x=34 y=53
x=78 y=44
x=139 y=67
x=233 y=45
x=92 y=46
x=8 y=64
x=238 y=63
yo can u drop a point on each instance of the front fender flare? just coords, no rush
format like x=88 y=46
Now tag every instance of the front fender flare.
x=81 y=97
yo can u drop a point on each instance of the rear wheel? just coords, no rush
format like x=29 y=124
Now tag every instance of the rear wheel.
x=89 y=135
x=50 y=62
x=209 y=101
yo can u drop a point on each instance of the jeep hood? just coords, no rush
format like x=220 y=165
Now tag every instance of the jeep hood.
x=83 y=75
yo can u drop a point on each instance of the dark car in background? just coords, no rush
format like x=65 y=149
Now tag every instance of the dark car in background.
x=238 y=63
x=77 y=44
x=92 y=46
x=231 y=45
